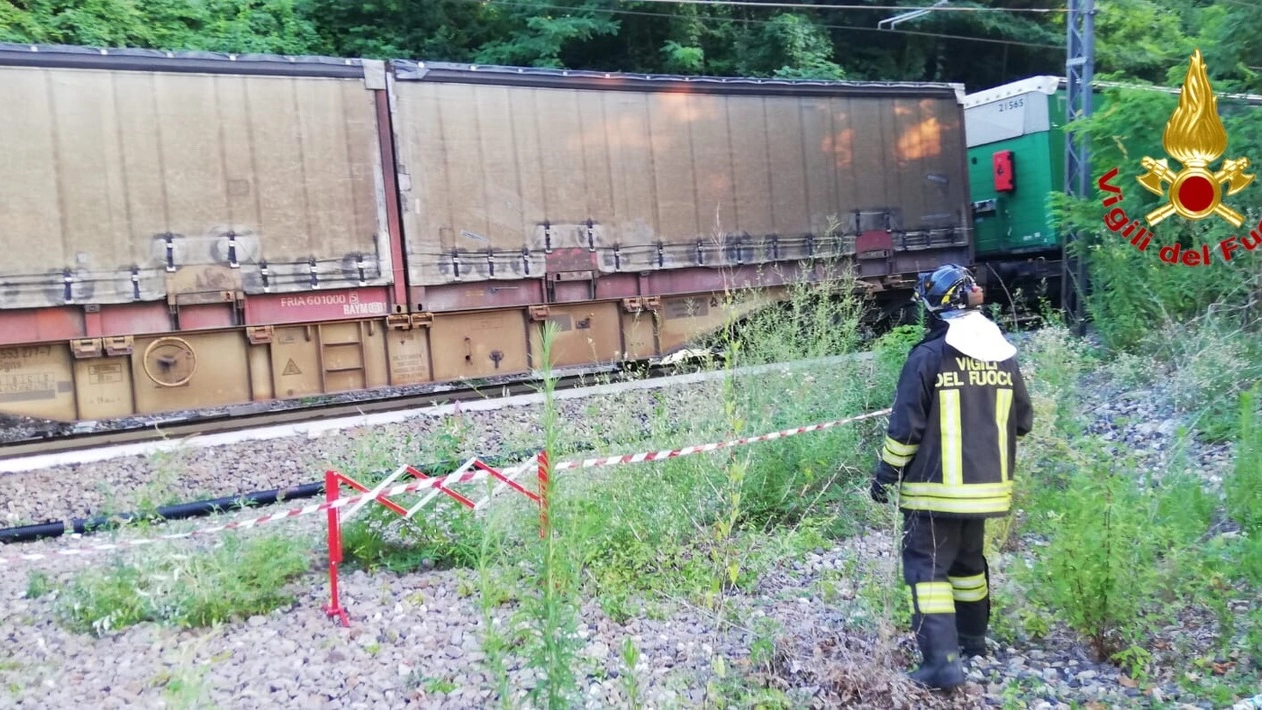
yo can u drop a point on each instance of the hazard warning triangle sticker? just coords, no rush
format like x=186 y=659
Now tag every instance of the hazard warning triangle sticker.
x=291 y=368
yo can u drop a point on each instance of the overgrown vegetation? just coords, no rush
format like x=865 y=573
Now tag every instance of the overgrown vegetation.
x=237 y=579
x=1126 y=549
x=1134 y=549
x=1103 y=544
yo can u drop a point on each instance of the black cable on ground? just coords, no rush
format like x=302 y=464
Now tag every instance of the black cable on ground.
x=180 y=511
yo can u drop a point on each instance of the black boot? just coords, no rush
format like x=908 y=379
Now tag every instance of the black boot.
x=972 y=618
x=973 y=646
x=943 y=672
x=936 y=635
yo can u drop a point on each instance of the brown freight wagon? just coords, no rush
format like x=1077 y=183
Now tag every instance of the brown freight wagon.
x=190 y=230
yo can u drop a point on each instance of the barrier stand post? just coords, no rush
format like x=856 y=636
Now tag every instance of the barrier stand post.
x=332 y=481
x=543 y=494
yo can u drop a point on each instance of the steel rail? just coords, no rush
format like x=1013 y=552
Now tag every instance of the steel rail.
x=236 y=421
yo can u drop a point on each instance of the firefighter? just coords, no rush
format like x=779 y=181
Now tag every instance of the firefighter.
x=950 y=449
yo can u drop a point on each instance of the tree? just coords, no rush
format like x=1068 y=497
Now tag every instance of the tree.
x=537 y=32
x=434 y=30
x=788 y=46
x=240 y=26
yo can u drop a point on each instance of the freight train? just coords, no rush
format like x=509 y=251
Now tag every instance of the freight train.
x=189 y=230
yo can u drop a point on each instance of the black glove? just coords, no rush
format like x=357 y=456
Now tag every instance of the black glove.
x=879 y=492
x=884 y=477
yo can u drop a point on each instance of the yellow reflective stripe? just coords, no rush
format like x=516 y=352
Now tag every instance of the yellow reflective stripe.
x=952 y=442
x=972 y=582
x=1003 y=403
x=894 y=459
x=956 y=505
x=968 y=589
x=899 y=449
x=929 y=589
x=935 y=606
x=967 y=490
x=970 y=595
x=935 y=598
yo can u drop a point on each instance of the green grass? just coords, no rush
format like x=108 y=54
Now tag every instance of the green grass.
x=237 y=579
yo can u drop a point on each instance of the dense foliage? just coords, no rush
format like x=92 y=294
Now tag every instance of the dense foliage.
x=1134 y=290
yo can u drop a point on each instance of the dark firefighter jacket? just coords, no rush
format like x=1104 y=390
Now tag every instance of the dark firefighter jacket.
x=953 y=429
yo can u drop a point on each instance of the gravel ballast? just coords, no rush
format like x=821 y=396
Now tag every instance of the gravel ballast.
x=416 y=639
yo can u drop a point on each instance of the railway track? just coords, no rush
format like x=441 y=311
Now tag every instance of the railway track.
x=263 y=414
x=269 y=414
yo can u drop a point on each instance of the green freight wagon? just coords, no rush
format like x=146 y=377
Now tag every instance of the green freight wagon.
x=1016 y=158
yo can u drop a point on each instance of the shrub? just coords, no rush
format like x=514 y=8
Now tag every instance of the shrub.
x=1099 y=569
x=443 y=535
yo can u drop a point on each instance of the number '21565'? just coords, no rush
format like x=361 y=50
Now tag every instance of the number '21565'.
x=1011 y=105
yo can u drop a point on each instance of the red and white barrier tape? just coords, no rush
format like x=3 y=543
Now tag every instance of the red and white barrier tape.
x=674 y=453
x=466 y=477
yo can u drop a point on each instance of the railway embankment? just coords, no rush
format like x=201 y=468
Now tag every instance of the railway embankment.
x=1128 y=576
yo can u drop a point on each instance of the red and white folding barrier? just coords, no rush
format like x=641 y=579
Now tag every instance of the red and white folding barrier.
x=472 y=470
x=424 y=484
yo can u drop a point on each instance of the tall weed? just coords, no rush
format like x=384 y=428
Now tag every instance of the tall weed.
x=1244 y=485
x=491 y=558
x=1053 y=363
x=554 y=606
x=1099 y=568
x=784 y=482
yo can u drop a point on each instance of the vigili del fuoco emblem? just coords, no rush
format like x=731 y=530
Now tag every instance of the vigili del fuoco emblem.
x=1195 y=137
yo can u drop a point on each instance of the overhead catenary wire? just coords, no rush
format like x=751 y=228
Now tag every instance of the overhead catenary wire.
x=886 y=8
x=1247 y=98
x=831 y=26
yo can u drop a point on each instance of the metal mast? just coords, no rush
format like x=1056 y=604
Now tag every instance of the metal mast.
x=1079 y=70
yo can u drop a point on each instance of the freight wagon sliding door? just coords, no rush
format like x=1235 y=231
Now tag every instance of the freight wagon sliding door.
x=130 y=181
x=541 y=179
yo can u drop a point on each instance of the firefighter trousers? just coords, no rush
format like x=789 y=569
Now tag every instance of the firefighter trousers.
x=945 y=569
